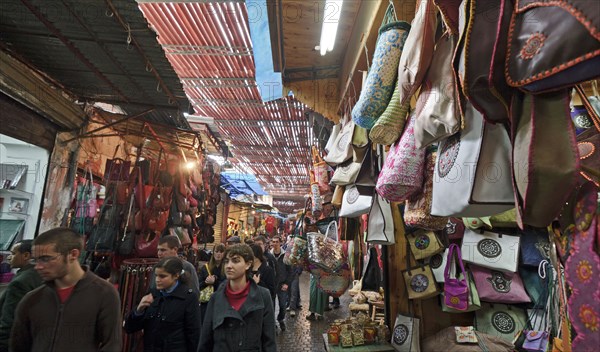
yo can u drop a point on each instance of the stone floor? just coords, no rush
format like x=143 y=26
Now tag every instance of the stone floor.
x=307 y=336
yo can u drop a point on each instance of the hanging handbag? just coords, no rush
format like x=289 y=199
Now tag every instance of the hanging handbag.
x=491 y=250
x=371 y=277
x=437 y=262
x=367 y=176
x=325 y=251
x=104 y=234
x=347 y=172
x=540 y=57
x=342 y=147
x=356 y=201
x=380 y=227
x=419 y=280
x=499 y=287
x=338 y=196
x=500 y=320
x=207 y=292
x=473 y=171
x=473 y=302
x=545 y=156
x=535 y=247
x=455 y=229
x=320 y=171
x=536 y=281
x=424 y=244
x=402 y=173
x=417 y=212
x=418 y=53
x=436 y=114
x=456 y=290
x=588 y=143
x=335 y=131
x=336 y=283
x=116 y=169
x=389 y=125
x=146 y=245
x=405 y=334
x=377 y=91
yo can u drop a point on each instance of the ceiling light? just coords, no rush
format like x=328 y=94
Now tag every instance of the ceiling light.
x=331 y=19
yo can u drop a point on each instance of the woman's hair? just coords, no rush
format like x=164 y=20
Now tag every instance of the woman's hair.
x=211 y=263
x=244 y=251
x=174 y=266
x=258 y=252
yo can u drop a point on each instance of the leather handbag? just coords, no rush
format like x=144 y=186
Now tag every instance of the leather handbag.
x=405 y=334
x=418 y=52
x=356 y=201
x=116 y=169
x=338 y=196
x=402 y=173
x=417 y=212
x=146 y=245
x=473 y=171
x=535 y=247
x=540 y=57
x=342 y=147
x=424 y=243
x=499 y=287
x=371 y=278
x=104 y=235
x=491 y=250
x=545 y=156
x=367 y=176
x=485 y=51
x=381 y=78
x=380 y=227
x=500 y=320
x=437 y=115
x=456 y=289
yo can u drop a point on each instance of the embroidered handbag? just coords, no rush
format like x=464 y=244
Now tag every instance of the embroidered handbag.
x=320 y=171
x=456 y=290
x=419 y=280
x=535 y=247
x=381 y=79
x=545 y=156
x=465 y=334
x=424 y=243
x=500 y=320
x=418 y=52
x=497 y=286
x=582 y=268
x=208 y=291
x=402 y=173
x=473 y=171
x=437 y=115
x=356 y=201
x=536 y=341
x=455 y=229
x=417 y=212
x=474 y=302
x=485 y=38
x=491 y=250
x=380 y=227
x=342 y=147
x=336 y=283
x=389 y=125
x=437 y=262
x=540 y=57
x=405 y=335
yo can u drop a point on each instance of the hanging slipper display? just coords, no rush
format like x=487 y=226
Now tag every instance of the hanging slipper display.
x=375 y=96
x=390 y=124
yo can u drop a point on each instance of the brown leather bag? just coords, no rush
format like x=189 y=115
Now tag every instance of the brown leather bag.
x=545 y=156
x=553 y=44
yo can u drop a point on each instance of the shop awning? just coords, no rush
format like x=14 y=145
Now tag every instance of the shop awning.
x=241 y=184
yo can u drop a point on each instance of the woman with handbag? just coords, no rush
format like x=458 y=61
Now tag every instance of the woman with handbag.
x=239 y=316
x=169 y=314
x=210 y=277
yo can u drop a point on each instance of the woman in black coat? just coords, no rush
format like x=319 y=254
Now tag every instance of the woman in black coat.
x=170 y=313
x=262 y=274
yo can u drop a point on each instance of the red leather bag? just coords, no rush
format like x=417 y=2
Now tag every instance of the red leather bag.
x=146 y=244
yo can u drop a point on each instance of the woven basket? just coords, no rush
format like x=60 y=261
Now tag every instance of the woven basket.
x=389 y=125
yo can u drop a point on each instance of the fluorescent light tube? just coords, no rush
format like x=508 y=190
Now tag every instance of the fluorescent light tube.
x=331 y=19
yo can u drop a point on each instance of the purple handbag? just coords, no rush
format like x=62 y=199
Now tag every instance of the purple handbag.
x=499 y=286
x=536 y=341
x=456 y=291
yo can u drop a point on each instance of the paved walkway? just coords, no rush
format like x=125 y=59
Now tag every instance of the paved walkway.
x=307 y=336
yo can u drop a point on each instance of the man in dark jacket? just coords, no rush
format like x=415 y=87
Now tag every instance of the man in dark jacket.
x=283 y=279
x=262 y=241
x=75 y=310
x=26 y=280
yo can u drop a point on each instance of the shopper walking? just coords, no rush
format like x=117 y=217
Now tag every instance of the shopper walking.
x=211 y=274
x=170 y=313
x=262 y=274
x=75 y=310
x=239 y=316
x=262 y=241
x=283 y=279
x=26 y=280
x=168 y=246
x=294 y=299
x=317 y=300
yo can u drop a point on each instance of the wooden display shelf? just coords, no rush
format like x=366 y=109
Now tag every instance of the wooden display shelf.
x=364 y=348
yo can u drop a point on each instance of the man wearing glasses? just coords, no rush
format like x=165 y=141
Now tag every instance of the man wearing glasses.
x=75 y=310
